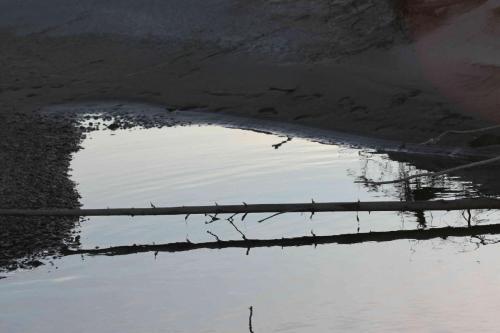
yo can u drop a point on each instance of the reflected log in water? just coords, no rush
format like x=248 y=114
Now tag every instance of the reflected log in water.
x=384 y=236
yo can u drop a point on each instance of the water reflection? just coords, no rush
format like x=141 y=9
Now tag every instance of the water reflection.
x=477 y=233
x=378 y=168
x=227 y=165
x=298 y=273
x=424 y=188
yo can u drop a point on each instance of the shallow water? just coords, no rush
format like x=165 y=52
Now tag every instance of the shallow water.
x=436 y=285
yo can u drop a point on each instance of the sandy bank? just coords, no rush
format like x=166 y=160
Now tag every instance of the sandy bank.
x=365 y=67
x=385 y=98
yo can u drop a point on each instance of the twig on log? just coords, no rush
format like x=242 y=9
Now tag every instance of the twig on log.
x=269 y=217
x=437 y=173
x=442 y=135
x=312 y=209
x=246 y=212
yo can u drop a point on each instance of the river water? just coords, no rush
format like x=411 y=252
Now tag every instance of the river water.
x=442 y=285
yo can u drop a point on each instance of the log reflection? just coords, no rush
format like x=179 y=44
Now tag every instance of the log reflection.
x=477 y=231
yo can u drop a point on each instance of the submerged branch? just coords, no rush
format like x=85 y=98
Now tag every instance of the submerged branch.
x=382 y=236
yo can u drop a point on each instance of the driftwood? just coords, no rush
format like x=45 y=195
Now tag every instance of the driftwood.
x=312 y=207
x=383 y=236
x=437 y=173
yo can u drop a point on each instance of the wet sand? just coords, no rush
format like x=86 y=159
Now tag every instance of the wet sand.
x=390 y=103
x=402 y=71
x=368 y=68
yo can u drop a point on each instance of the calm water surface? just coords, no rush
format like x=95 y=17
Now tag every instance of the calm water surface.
x=438 y=285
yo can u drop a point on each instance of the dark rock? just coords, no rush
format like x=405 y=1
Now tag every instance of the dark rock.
x=34 y=263
x=114 y=126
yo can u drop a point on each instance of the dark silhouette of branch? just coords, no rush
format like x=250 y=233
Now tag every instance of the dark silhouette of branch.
x=213 y=218
x=236 y=228
x=468 y=218
x=250 y=328
x=269 y=217
x=276 y=146
x=312 y=209
x=382 y=236
x=214 y=235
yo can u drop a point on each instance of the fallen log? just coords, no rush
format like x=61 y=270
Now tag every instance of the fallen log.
x=312 y=207
x=380 y=236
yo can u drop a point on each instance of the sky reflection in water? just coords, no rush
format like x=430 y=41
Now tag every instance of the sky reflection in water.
x=437 y=285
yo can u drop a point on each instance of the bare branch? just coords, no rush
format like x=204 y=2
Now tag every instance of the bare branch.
x=269 y=217
x=276 y=146
x=236 y=228
x=442 y=135
x=215 y=236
